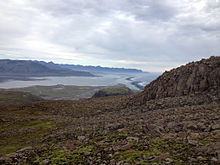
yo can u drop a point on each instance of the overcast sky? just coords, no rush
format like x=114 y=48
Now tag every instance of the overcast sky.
x=153 y=35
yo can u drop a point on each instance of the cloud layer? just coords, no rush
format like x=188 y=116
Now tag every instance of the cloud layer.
x=153 y=35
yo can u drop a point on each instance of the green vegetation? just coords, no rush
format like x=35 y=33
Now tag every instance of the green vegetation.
x=60 y=157
x=84 y=149
x=15 y=97
x=28 y=124
x=40 y=124
x=34 y=131
x=204 y=142
x=177 y=151
x=132 y=156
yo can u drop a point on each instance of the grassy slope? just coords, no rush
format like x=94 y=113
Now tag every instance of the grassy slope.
x=114 y=91
x=12 y=97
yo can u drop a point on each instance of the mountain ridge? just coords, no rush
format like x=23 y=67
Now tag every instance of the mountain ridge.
x=191 y=79
x=99 y=68
x=22 y=69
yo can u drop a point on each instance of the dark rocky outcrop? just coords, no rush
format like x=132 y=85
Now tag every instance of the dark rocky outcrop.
x=116 y=91
x=192 y=79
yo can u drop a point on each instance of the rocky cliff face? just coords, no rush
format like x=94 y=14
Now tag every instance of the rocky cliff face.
x=191 y=79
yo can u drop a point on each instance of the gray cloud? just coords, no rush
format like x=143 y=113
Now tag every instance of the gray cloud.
x=148 y=34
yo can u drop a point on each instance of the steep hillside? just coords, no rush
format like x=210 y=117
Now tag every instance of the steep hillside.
x=202 y=77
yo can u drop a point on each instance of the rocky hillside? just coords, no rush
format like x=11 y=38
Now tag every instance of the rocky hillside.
x=182 y=129
x=192 y=79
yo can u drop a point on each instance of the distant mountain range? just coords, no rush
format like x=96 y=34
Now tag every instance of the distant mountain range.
x=22 y=69
x=99 y=68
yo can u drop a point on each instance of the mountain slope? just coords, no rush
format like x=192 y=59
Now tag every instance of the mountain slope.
x=192 y=79
x=34 y=68
x=182 y=128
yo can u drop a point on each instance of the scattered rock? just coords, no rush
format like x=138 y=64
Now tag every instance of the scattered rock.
x=123 y=130
x=200 y=158
x=193 y=142
x=216 y=126
x=81 y=138
x=120 y=163
x=115 y=126
x=148 y=157
x=169 y=160
x=126 y=147
x=45 y=162
x=112 y=162
x=25 y=149
x=164 y=156
x=214 y=159
x=132 y=139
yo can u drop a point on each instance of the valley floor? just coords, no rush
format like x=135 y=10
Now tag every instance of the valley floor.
x=112 y=130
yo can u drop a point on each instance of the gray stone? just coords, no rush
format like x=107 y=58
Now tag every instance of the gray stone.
x=81 y=138
x=214 y=159
x=25 y=149
x=193 y=142
x=215 y=126
x=132 y=139
x=201 y=158
x=45 y=162
x=168 y=160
